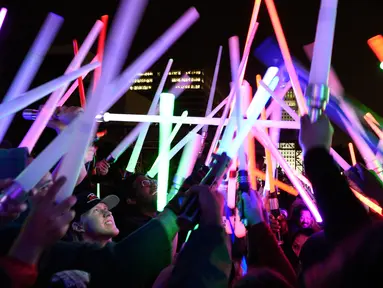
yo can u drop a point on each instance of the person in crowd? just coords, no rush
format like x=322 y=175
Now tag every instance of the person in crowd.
x=299 y=239
x=138 y=205
x=46 y=223
x=94 y=222
x=341 y=211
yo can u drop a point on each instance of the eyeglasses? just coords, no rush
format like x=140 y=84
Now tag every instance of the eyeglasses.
x=148 y=183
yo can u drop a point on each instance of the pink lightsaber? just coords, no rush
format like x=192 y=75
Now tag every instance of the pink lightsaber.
x=124 y=27
x=280 y=93
x=31 y=65
x=286 y=55
x=268 y=144
x=39 y=92
x=38 y=126
x=3 y=13
x=59 y=146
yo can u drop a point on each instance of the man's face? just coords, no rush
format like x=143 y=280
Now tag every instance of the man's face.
x=146 y=191
x=298 y=243
x=306 y=220
x=98 y=222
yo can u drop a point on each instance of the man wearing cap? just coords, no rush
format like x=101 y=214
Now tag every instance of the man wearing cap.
x=94 y=223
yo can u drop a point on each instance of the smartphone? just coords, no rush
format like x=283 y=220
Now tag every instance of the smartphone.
x=12 y=162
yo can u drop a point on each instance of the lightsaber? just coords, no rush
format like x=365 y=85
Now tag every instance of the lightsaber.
x=100 y=50
x=318 y=92
x=30 y=66
x=3 y=13
x=281 y=185
x=38 y=126
x=376 y=45
x=59 y=146
x=266 y=141
x=166 y=110
x=186 y=164
x=74 y=86
x=169 y=139
x=142 y=118
x=39 y=92
x=81 y=88
x=211 y=97
x=118 y=44
x=286 y=55
x=152 y=109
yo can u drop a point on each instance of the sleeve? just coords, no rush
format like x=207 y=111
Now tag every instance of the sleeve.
x=204 y=261
x=20 y=274
x=341 y=211
x=264 y=251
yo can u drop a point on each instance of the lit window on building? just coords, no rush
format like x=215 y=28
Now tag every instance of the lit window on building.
x=144 y=80
x=146 y=74
x=175 y=73
x=141 y=87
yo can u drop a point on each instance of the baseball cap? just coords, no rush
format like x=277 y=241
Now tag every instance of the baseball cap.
x=87 y=200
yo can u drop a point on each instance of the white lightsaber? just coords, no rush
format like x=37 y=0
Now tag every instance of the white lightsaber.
x=152 y=110
x=37 y=93
x=30 y=66
x=117 y=46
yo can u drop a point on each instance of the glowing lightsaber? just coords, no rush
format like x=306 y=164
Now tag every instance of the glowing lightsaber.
x=170 y=138
x=352 y=153
x=286 y=55
x=38 y=126
x=186 y=164
x=166 y=110
x=59 y=146
x=142 y=118
x=39 y=92
x=100 y=50
x=3 y=13
x=153 y=106
x=211 y=97
x=81 y=88
x=30 y=66
x=118 y=44
x=376 y=45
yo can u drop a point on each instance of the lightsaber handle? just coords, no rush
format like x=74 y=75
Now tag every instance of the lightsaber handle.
x=317 y=97
x=190 y=212
x=243 y=187
x=31 y=114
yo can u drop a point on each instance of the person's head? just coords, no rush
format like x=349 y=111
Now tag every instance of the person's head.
x=299 y=238
x=262 y=278
x=94 y=222
x=140 y=190
x=306 y=220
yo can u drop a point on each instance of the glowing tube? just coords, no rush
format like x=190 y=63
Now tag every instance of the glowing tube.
x=81 y=88
x=186 y=164
x=373 y=126
x=352 y=153
x=30 y=66
x=376 y=45
x=72 y=88
x=269 y=183
x=100 y=50
x=283 y=186
x=257 y=104
x=169 y=139
x=37 y=93
x=290 y=174
x=38 y=126
x=166 y=110
x=111 y=117
x=286 y=55
x=3 y=13
x=367 y=202
x=124 y=27
x=324 y=38
x=152 y=109
x=211 y=97
x=59 y=146
x=232 y=184
x=98 y=190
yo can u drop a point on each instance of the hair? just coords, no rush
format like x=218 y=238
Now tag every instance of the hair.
x=262 y=278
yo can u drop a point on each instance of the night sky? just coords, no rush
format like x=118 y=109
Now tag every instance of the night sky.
x=354 y=62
